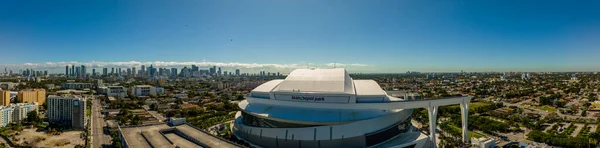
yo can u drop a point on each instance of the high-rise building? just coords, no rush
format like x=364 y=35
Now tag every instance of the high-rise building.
x=4 y=97
x=112 y=70
x=195 y=68
x=213 y=70
x=174 y=72
x=105 y=71
x=67 y=109
x=151 y=71
x=72 y=70
x=93 y=72
x=78 y=72
x=133 y=71
x=219 y=72
x=67 y=71
x=32 y=95
x=237 y=72
x=143 y=71
x=83 y=71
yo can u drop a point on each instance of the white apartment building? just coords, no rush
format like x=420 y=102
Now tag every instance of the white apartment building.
x=143 y=90
x=115 y=91
x=20 y=110
x=5 y=115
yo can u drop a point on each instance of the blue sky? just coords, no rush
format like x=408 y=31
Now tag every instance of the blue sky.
x=385 y=35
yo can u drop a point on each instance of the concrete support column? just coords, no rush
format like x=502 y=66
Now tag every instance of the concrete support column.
x=464 y=114
x=432 y=111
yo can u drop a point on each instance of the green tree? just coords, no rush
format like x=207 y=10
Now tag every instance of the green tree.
x=153 y=106
x=32 y=117
x=136 y=120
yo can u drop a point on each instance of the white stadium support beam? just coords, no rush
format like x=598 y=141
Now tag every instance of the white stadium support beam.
x=464 y=114
x=432 y=111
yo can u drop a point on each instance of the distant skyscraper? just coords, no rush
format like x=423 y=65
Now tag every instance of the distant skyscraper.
x=72 y=70
x=213 y=70
x=195 y=68
x=133 y=71
x=219 y=72
x=151 y=70
x=174 y=72
x=143 y=71
x=93 y=72
x=237 y=72
x=112 y=70
x=67 y=70
x=77 y=71
x=104 y=71
x=83 y=71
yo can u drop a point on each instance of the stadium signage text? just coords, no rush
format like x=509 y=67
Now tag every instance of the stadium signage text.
x=315 y=99
x=308 y=98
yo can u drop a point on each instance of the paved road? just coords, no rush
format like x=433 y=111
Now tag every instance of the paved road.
x=99 y=139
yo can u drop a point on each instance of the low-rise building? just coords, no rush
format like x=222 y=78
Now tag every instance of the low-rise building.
x=115 y=91
x=151 y=101
x=69 y=109
x=483 y=142
x=144 y=90
x=50 y=86
x=189 y=106
x=177 y=121
x=8 y=85
x=75 y=85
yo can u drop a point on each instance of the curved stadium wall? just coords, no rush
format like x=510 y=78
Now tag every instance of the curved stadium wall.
x=265 y=132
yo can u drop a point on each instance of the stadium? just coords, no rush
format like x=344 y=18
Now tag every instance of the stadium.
x=327 y=108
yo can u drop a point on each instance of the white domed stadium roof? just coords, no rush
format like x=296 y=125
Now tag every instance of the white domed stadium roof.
x=317 y=80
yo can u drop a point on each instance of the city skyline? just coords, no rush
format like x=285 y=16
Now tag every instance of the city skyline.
x=387 y=36
x=250 y=68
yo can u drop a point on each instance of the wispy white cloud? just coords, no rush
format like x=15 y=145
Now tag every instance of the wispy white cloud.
x=99 y=64
x=345 y=65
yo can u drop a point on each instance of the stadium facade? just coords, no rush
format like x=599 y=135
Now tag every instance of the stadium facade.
x=326 y=108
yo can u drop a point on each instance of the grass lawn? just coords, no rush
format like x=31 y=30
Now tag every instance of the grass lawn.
x=478 y=104
x=471 y=133
x=546 y=108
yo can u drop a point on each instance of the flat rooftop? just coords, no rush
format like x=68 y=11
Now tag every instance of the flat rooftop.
x=135 y=137
x=206 y=139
